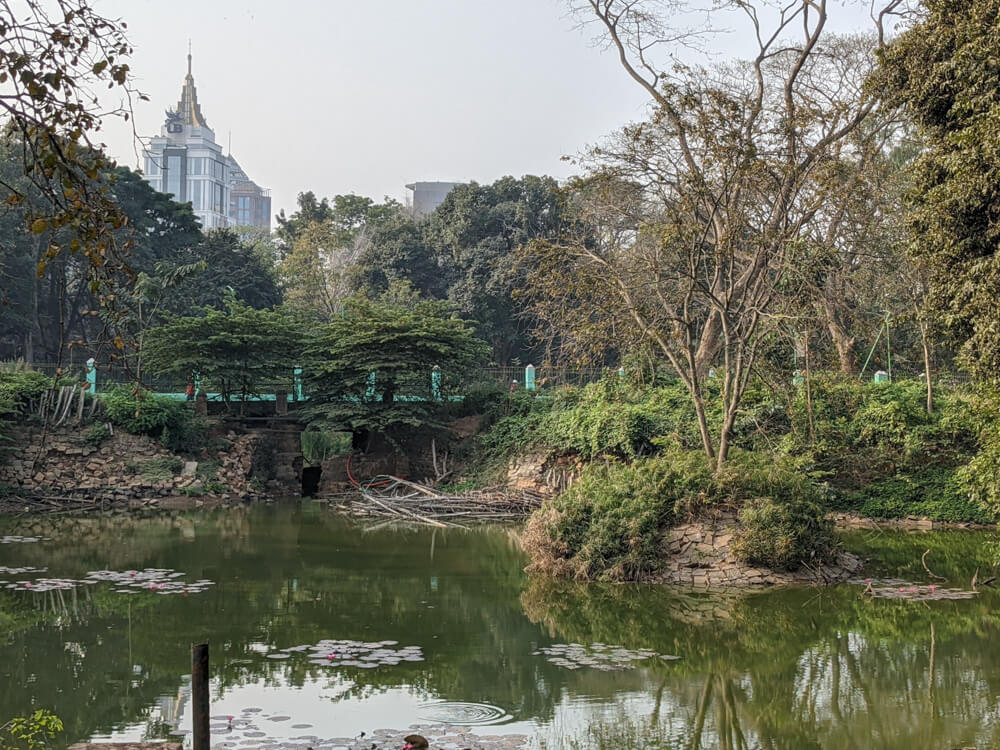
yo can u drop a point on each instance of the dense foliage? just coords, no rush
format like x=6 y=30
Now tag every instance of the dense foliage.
x=19 y=394
x=872 y=446
x=171 y=422
x=943 y=72
x=238 y=352
x=609 y=525
x=371 y=370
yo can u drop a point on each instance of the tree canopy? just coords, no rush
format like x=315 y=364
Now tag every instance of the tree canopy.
x=943 y=71
x=372 y=368
x=236 y=351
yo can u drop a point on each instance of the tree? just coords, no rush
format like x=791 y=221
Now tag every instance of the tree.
x=310 y=211
x=943 y=70
x=731 y=171
x=394 y=248
x=476 y=233
x=370 y=371
x=53 y=55
x=238 y=351
x=231 y=267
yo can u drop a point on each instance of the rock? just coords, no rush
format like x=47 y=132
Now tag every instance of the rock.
x=190 y=467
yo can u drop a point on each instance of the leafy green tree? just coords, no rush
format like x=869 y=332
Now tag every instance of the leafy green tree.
x=393 y=248
x=231 y=267
x=475 y=234
x=944 y=71
x=310 y=211
x=370 y=371
x=237 y=351
x=34 y=732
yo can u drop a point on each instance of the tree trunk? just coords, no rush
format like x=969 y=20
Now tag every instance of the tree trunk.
x=842 y=342
x=699 y=410
x=927 y=368
x=809 y=402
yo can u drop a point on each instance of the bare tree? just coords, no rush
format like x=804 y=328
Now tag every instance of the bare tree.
x=735 y=170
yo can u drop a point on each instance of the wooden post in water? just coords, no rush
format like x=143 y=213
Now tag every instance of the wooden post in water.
x=199 y=696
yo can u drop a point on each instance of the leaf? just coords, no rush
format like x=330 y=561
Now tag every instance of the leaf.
x=38 y=226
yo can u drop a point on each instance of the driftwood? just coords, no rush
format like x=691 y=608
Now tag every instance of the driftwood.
x=392 y=497
x=923 y=561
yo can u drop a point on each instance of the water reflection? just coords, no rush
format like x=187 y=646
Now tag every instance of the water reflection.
x=776 y=669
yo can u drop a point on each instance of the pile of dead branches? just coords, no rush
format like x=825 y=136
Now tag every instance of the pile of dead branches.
x=392 y=497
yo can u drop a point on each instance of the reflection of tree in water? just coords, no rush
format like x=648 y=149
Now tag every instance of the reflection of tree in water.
x=797 y=668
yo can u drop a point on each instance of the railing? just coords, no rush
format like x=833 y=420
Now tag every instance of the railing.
x=517 y=377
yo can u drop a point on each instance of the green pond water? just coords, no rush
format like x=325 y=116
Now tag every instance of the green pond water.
x=456 y=632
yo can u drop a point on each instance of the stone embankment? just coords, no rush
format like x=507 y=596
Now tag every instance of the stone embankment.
x=699 y=554
x=122 y=467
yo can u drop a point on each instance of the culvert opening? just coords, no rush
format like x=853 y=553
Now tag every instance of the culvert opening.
x=310 y=480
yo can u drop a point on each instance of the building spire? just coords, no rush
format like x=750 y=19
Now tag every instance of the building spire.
x=188 y=107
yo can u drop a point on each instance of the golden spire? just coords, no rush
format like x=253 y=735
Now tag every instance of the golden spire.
x=188 y=107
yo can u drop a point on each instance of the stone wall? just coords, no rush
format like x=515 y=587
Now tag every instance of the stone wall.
x=126 y=466
x=698 y=554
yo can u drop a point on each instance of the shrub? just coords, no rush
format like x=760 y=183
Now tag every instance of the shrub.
x=609 y=525
x=157 y=469
x=613 y=417
x=33 y=732
x=96 y=434
x=319 y=445
x=142 y=413
x=782 y=534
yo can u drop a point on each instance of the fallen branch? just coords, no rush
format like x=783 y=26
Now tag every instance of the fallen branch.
x=923 y=561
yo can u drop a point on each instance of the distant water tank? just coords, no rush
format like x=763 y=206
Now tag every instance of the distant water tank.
x=429 y=195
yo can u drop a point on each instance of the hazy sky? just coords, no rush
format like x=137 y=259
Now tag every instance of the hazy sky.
x=364 y=96
x=368 y=95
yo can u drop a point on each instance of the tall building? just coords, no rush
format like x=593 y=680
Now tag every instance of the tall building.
x=428 y=195
x=186 y=162
x=249 y=203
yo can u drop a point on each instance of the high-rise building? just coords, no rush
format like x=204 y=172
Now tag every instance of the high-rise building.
x=428 y=195
x=186 y=162
x=249 y=203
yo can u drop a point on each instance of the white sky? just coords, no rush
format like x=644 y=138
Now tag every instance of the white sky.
x=364 y=96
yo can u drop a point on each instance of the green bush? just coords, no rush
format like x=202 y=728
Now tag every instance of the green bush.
x=169 y=421
x=782 y=534
x=319 y=445
x=610 y=524
x=935 y=492
x=158 y=469
x=96 y=434
x=20 y=391
x=33 y=732
x=614 y=417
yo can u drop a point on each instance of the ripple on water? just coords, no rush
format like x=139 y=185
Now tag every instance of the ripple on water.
x=464 y=714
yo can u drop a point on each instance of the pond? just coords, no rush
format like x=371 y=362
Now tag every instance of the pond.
x=323 y=627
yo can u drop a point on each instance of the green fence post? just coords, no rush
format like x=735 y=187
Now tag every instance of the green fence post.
x=436 y=383
x=370 y=389
x=529 y=378
x=297 y=383
x=91 y=376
